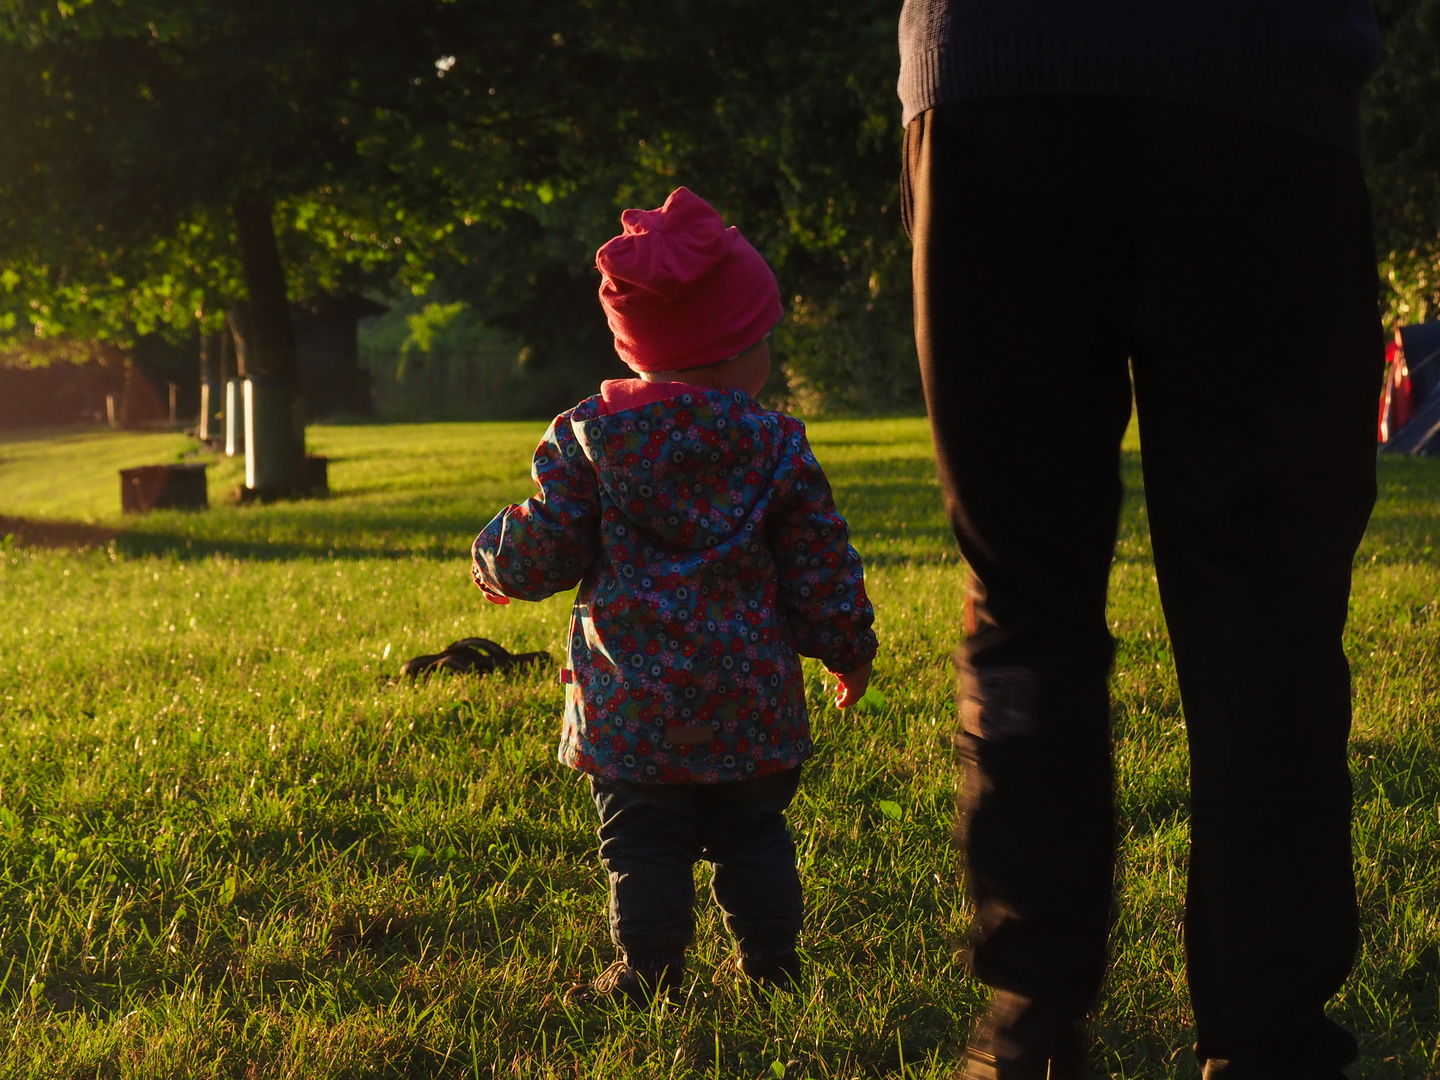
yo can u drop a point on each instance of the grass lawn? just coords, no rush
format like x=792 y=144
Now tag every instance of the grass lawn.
x=230 y=847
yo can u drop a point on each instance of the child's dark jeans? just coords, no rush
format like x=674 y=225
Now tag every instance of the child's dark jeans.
x=651 y=836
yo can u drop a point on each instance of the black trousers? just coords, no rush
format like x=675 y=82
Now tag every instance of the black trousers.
x=1061 y=243
x=651 y=837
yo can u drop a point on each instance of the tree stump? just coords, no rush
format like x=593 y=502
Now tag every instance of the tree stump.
x=163 y=487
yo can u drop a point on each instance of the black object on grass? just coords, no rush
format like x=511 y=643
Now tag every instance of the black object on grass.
x=475 y=655
x=163 y=487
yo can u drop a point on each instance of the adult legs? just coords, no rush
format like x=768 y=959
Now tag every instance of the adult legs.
x=1257 y=361
x=1054 y=237
x=1020 y=214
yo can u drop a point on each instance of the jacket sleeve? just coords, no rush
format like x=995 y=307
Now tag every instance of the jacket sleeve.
x=545 y=544
x=822 y=584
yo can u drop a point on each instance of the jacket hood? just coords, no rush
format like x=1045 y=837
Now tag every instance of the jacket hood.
x=687 y=465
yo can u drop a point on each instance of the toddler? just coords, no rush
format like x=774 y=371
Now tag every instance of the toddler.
x=710 y=556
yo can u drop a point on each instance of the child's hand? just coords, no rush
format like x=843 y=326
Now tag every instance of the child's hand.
x=490 y=594
x=850 y=687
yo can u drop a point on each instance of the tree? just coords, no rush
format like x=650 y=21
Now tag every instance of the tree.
x=486 y=145
x=148 y=143
x=783 y=115
x=163 y=158
x=1402 y=135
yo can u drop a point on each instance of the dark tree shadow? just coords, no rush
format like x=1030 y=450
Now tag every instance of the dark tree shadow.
x=28 y=532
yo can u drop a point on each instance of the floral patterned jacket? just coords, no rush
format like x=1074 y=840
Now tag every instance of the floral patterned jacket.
x=709 y=553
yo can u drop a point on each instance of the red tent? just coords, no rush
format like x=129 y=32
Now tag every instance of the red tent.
x=1410 y=402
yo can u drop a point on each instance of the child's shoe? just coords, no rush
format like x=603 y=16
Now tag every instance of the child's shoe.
x=625 y=985
x=778 y=971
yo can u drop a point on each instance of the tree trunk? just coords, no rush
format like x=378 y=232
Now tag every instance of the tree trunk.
x=271 y=348
x=227 y=354
x=125 y=392
x=242 y=338
x=265 y=348
x=209 y=354
x=212 y=383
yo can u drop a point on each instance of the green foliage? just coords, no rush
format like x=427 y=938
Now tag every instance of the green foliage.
x=782 y=115
x=229 y=847
x=42 y=352
x=802 y=150
x=436 y=360
x=486 y=149
x=1402 y=133
x=129 y=130
x=425 y=326
x=430 y=322
x=486 y=146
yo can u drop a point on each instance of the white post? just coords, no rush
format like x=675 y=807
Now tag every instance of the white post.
x=234 y=419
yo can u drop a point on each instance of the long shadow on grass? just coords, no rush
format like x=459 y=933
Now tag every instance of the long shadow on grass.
x=308 y=536
x=28 y=532
x=77 y=536
x=898 y=501
x=140 y=544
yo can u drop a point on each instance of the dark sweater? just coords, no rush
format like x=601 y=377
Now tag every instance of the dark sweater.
x=1299 y=64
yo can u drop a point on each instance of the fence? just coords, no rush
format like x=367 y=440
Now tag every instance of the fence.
x=477 y=383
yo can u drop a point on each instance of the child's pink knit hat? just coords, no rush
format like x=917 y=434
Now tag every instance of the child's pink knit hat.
x=680 y=290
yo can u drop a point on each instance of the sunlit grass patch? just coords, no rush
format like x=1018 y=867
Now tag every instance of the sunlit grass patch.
x=231 y=845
